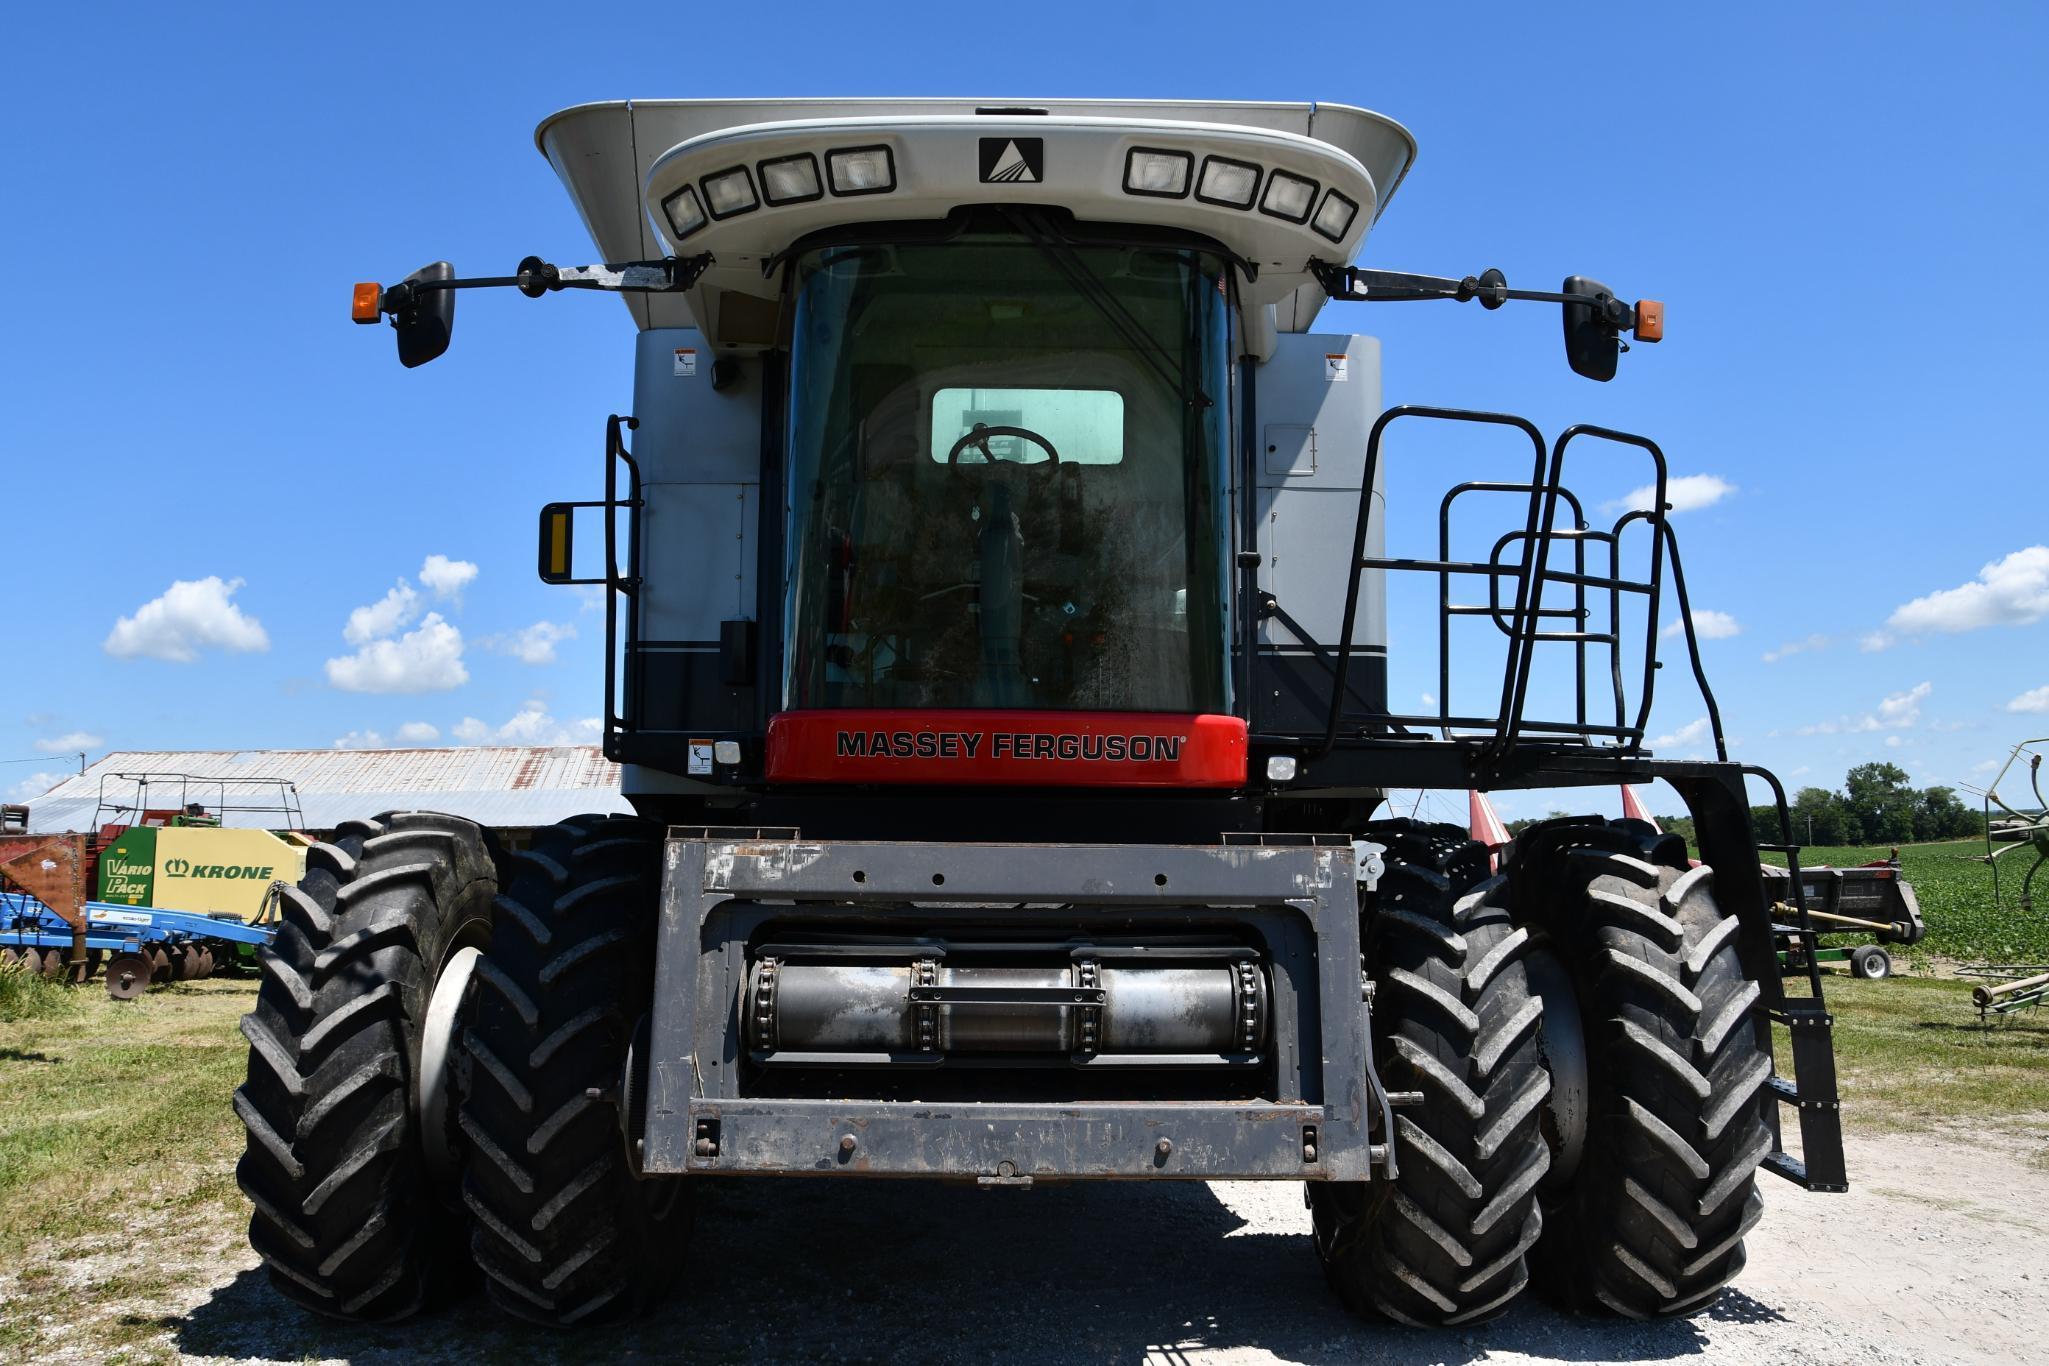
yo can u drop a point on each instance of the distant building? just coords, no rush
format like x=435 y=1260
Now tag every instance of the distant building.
x=510 y=788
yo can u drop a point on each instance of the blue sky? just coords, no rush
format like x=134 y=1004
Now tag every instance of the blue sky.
x=1843 y=208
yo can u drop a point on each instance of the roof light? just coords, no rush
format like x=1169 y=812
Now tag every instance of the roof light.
x=729 y=193
x=1163 y=174
x=791 y=180
x=1288 y=196
x=1334 y=219
x=1230 y=183
x=683 y=212
x=367 y=302
x=861 y=170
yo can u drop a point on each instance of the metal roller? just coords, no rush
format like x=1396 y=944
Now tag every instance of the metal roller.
x=1083 y=1007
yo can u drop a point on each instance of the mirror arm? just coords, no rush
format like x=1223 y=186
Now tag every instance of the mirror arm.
x=1354 y=285
x=536 y=277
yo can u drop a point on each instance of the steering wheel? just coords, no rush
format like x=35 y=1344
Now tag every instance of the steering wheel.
x=979 y=438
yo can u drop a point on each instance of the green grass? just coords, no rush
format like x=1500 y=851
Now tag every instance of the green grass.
x=1911 y=1055
x=25 y=995
x=116 y=1139
x=1956 y=899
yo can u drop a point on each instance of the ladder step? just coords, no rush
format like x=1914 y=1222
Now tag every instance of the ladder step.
x=1785 y=1090
x=1788 y=1166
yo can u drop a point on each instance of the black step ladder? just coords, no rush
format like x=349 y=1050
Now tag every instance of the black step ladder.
x=1811 y=1090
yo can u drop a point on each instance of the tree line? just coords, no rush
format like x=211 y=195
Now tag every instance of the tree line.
x=1876 y=805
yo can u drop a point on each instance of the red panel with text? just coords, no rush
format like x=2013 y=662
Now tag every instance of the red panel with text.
x=1007 y=748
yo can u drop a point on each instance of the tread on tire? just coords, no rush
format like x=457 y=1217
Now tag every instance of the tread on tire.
x=1455 y=1019
x=1654 y=1219
x=347 y=1219
x=566 y=1231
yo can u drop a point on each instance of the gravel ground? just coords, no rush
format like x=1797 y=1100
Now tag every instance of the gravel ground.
x=1939 y=1255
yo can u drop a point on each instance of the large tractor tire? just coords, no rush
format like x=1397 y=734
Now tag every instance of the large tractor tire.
x=568 y=1231
x=349 y=1162
x=1652 y=1221
x=1455 y=1019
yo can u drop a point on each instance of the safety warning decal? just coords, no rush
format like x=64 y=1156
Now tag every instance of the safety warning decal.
x=686 y=360
x=1334 y=367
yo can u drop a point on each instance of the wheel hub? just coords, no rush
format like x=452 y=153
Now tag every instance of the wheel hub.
x=1565 y=1054
x=437 y=1046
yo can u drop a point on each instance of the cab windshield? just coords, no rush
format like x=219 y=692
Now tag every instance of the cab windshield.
x=1006 y=472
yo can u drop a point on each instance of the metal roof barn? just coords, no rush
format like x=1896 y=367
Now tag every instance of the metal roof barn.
x=501 y=786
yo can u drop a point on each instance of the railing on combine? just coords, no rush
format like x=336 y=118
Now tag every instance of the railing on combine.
x=1524 y=573
x=1525 y=559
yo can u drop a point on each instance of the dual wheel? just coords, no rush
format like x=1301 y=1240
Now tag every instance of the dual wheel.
x=1582 y=1065
x=437 y=1061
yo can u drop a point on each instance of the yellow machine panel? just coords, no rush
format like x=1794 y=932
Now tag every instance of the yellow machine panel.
x=209 y=870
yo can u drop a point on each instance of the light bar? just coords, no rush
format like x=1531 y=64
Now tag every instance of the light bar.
x=1288 y=196
x=683 y=212
x=1164 y=175
x=730 y=193
x=791 y=180
x=1334 y=219
x=861 y=170
x=1233 y=184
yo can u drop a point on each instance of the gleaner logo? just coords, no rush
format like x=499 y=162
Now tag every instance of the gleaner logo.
x=1013 y=161
x=178 y=867
x=1004 y=744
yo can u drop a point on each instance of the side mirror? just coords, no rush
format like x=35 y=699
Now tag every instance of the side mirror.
x=426 y=319
x=1593 y=337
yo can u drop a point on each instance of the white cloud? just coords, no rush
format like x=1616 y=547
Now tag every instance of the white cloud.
x=192 y=615
x=1892 y=742
x=530 y=725
x=1708 y=624
x=1687 y=493
x=383 y=617
x=1796 y=647
x=411 y=733
x=534 y=644
x=72 y=743
x=1874 y=641
x=446 y=578
x=2013 y=591
x=1692 y=733
x=426 y=659
x=2034 y=699
x=1896 y=711
x=34 y=785
x=1903 y=708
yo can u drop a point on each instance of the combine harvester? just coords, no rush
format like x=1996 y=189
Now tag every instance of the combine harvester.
x=177 y=893
x=996 y=578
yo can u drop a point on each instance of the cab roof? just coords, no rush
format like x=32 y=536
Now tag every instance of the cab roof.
x=619 y=159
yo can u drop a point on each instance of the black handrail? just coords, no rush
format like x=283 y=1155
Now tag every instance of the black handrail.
x=1495 y=737
x=1360 y=562
x=615 y=582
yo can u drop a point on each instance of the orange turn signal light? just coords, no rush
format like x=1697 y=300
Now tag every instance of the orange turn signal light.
x=363 y=305
x=1650 y=320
